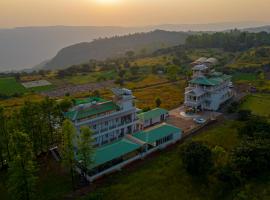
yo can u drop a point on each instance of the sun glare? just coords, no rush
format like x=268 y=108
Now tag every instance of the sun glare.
x=107 y=1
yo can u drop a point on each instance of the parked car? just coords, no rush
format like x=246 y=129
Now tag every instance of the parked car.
x=199 y=120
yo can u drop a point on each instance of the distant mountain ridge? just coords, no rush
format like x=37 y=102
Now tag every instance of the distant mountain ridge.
x=258 y=29
x=115 y=47
x=25 y=47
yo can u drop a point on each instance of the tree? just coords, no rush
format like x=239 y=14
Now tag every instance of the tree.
x=252 y=157
x=65 y=104
x=67 y=149
x=22 y=179
x=197 y=158
x=4 y=138
x=244 y=115
x=85 y=148
x=158 y=102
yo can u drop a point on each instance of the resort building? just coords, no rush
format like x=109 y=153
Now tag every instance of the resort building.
x=120 y=135
x=152 y=117
x=110 y=120
x=114 y=156
x=208 y=89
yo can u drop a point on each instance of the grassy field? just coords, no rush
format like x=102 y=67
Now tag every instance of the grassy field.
x=244 y=77
x=251 y=59
x=152 y=61
x=258 y=103
x=90 y=78
x=163 y=176
x=171 y=95
x=147 y=81
x=9 y=86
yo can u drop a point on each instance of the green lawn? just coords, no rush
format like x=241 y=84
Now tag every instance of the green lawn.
x=9 y=86
x=163 y=177
x=244 y=77
x=258 y=103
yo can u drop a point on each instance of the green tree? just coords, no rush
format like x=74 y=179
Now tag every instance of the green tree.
x=158 y=102
x=22 y=179
x=252 y=157
x=67 y=149
x=197 y=158
x=4 y=138
x=85 y=148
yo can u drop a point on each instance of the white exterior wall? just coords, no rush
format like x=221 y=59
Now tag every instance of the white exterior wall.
x=215 y=95
x=112 y=126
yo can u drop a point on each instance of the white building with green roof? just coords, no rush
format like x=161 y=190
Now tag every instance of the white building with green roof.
x=110 y=120
x=152 y=117
x=208 y=89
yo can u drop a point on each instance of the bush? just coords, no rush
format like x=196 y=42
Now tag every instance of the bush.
x=244 y=115
x=197 y=158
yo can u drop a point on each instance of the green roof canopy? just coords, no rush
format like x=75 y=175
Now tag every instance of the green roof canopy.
x=97 y=109
x=154 y=134
x=216 y=79
x=100 y=107
x=114 y=150
x=152 y=114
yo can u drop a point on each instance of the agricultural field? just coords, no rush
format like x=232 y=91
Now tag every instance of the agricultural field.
x=258 y=103
x=152 y=61
x=90 y=77
x=171 y=95
x=249 y=77
x=147 y=81
x=9 y=86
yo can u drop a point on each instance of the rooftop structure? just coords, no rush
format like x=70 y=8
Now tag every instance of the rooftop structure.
x=206 y=61
x=114 y=156
x=208 y=89
x=114 y=150
x=152 y=117
x=153 y=135
x=109 y=119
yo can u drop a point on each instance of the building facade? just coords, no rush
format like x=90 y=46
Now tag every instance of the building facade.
x=208 y=89
x=152 y=117
x=110 y=120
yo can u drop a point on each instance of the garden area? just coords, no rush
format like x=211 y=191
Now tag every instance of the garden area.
x=258 y=104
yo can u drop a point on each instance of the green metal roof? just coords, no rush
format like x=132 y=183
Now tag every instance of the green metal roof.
x=152 y=113
x=154 y=134
x=202 y=81
x=96 y=109
x=88 y=100
x=216 y=79
x=114 y=150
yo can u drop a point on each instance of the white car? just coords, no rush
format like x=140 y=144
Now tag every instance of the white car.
x=199 y=120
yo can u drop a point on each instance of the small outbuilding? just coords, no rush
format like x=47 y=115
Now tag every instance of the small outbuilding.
x=152 y=117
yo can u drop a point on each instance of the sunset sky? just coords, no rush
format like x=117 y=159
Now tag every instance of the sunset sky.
x=130 y=12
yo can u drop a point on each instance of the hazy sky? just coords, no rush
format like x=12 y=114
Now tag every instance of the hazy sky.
x=130 y=12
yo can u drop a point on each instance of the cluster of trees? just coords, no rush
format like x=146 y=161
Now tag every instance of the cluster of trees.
x=75 y=69
x=234 y=40
x=29 y=132
x=249 y=159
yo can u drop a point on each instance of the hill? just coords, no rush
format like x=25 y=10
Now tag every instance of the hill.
x=115 y=47
x=26 y=47
x=258 y=29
